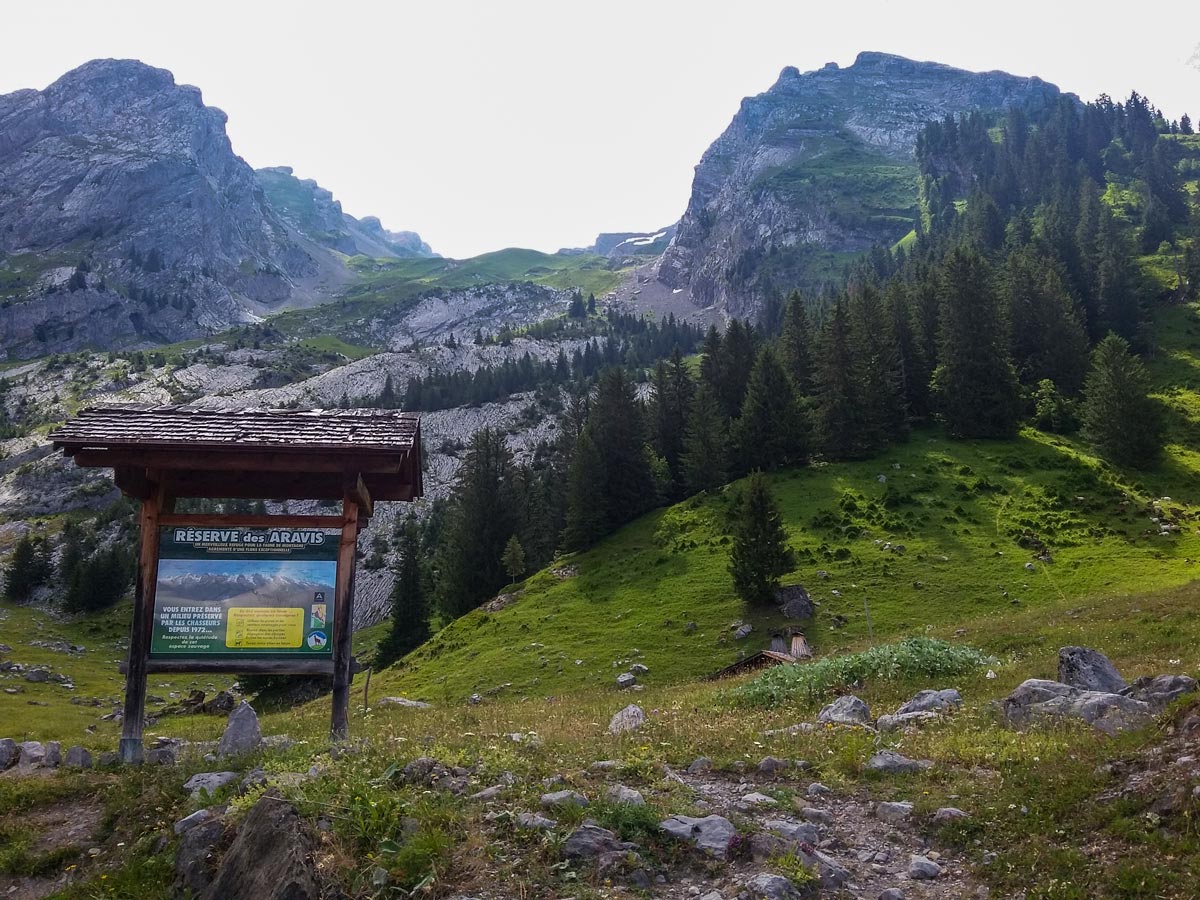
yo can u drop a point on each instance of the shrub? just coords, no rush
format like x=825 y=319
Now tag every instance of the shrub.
x=913 y=657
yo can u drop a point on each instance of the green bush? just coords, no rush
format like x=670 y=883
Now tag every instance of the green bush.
x=913 y=657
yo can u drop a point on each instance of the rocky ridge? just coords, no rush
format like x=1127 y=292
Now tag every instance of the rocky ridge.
x=821 y=163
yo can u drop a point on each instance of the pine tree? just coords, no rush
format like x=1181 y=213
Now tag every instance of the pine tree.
x=617 y=428
x=839 y=409
x=479 y=522
x=705 y=458
x=577 y=309
x=975 y=385
x=586 y=509
x=877 y=372
x=738 y=349
x=410 y=610
x=795 y=344
x=912 y=366
x=760 y=555
x=514 y=559
x=1119 y=416
x=21 y=576
x=773 y=430
x=673 y=391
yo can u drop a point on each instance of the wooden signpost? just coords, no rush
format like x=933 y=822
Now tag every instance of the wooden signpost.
x=212 y=621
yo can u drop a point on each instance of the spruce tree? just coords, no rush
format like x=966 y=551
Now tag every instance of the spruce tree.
x=1119 y=416
x=617 y=428
x=586 y=508
x=514 y=559
x=975 y=384
x=410 y=610
x=877 y=373
x=705 y=458
x=739 y=346
x=773 y=430
x=1048 y=340
x=838 y=406
x=760 y=556
x=21 y=576
x=479 y=522
x=795 y=344
x=673 y=389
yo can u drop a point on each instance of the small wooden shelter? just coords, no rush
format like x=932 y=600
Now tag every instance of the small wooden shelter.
x=160 y=454
x=775 y=656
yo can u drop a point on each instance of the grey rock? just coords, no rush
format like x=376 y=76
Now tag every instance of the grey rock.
x=743 y=632
x=489 y=793
x=921 y=868
x=845 y=710
x=700 y=766
x=631 y=718
x=800 y=832
x=108 y=759
x=534 y=821
x=817 y=814
x=1089 y=670
x=932 y=701
x=816 y=791
x=1161 y=690
x=160 y=756
x=199 y=817
x=892 y=763
x=270 y=859
x=9 y=753
x=559 y=799
x=764 y=886
x=893 y=813
x=626 y=679
x=619 y=793
x=1037 y=700
x=209 y=781
x=603 y=765
x=891 y=894
x=756 y=799
x=53 y=755
x=948 y=814
x=711 y=834
x=639 y=669
x=591 y=841
x=32 y=754
x=403 y=702
x=772 y=765
x=195 y=858
x=243 y=733
x=905 y=720
x=37 y=676
x=794 y=602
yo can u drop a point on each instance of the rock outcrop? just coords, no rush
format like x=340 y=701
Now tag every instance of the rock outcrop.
x=819 y=165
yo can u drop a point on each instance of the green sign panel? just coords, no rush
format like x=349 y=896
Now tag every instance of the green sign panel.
x=244 y=592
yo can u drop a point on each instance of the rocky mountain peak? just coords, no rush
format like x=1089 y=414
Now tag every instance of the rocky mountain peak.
x=818 y=167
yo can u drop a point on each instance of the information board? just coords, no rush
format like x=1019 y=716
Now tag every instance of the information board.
x=244 y=592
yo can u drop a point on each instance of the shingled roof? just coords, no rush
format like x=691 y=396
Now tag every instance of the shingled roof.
x=266 y=453
x=127 y=425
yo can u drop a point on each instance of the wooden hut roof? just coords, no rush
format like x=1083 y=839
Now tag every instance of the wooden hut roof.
x=267 y=453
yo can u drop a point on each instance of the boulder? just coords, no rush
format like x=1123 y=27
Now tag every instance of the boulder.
x=931 y=701
x=892 y=894
x=1089 y=670
x=558 y=799
x=893 y=813
x=905 y=720
x=53 y=756
x=845 y=710
x=618 y=793
x=639 y=669
x=9 y=753
x=1039 y=700
x=199 y=817
x=700 y=766
x=631 y=718
x=32 y=754
x=534 y=821
x=626 y=680
x=710 y=834
x=889 y=762
x=794 y=602
x=209 y=781
x=800 y=832
x=764 y=886
x=160 y=756
x=756 y=799
x=270 y=859
x=921 y=868
x=947 y=814
x=195 y=859
x=242 y=734
x=1161 y=690
x=743 y=632
x=770 y=765
x=592 y=841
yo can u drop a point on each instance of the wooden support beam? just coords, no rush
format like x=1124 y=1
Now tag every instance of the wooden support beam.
x=356 y=488
x=139 y=634
x=233 y=520
x=343 y=618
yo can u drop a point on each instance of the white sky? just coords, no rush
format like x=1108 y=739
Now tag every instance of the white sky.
x=538 y=123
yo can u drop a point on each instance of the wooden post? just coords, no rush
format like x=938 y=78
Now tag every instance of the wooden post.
x=139 y=634
x=343 y=620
